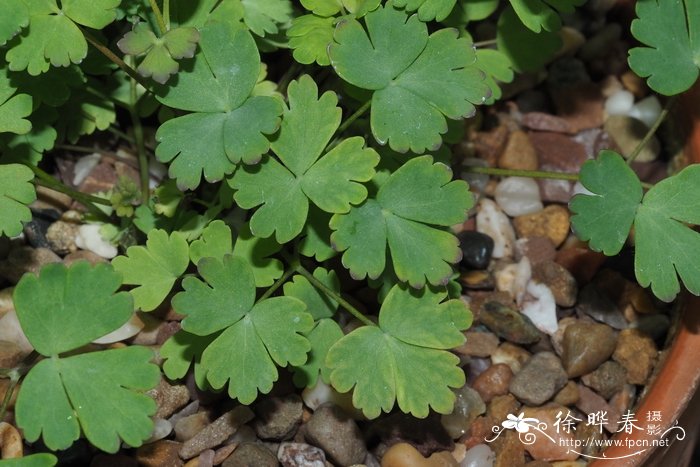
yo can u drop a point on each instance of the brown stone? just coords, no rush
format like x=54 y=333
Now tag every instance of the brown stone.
x=405 y=455
x=636 y=352
x=512 y=355
x=543 y=448
x=559 y=280
x=581 y=104
x=478 y=344
x=586 y=346
x=590 y=403
x=501 y=406
x=169 y=398
x=552 y=222
x=634 y=84
x=607 y=379
x=542 y=121
x=26 y=259
x=489 y=145
x=519 y=153
x=493 y=382
x=83 y=255
x=160 y=453
x=558 y=152
x=216 y=432
x=11 y=354
x=535 y=249
x=581 y=262
x=509 y=450
x=568 y=395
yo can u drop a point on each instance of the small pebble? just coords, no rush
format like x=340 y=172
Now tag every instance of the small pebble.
x=11 y=354
x=513 y=278
x=123 y=332
x=187 y=427
x=493 y=382
x=536 y=249
x=84 y=166
x=35 y=230
x=586 y=346
x=558 y=152
x=216 y=432
x=589 y=402
x=61 y=237
x=11 y=331
x=634 y=84
x=620 y=103
x=607 y=379
x=478 y=456
x=478 y=344
x=647 y=110
x=594 y=303
x=26 y=259
x=10 y=442
x=542 y=121
x=337 y=434
x=628 y=132
x=468 y=406
x=568 y=395
x=476 y=249
x=405 y=455
x=559 y=280
x=90 y=238
x=251 y=454
x=491 y=221
x=278 y=418
x=539 y=380
x=508 y=323
x=321 y=393
x=519 y=154
x=541 y=307
x=637 y=353
x=169 y=398
x=300 y=455
x=518 y=196
x=552 y=222
x=158 y=454
x=161 y=429
x=83 y=255
x=512 y=355
x=477 y=280
x=544 y=448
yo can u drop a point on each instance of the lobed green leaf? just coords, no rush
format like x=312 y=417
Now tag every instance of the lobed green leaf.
x=16 y=193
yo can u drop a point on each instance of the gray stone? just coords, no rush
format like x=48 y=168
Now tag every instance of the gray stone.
x=216 y=432
x=251 y=455
x=278 y=418
x=508 y=323
x=594 y=303
x=539 y=379
x=607 y=379
x=337 y=434
x=300 y=455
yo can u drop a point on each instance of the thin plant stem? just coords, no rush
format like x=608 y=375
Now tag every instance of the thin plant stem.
x=278 y=283
x=14 y=376
x=288 y=75
x=104 y=50
x=487 y=43
x=166 y=14
x=333 y=295
x=159 y=17
x=346 y=124
x=140 y=146
x=647 y=137
x=120 y=134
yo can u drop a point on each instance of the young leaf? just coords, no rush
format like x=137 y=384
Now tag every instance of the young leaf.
x=428 y=10
x=605 y=220
x=316 y=236
x=14 y=107
x=330 y=181
x=670 y=29
x=84 y=391
x=88 y=111
x=526 y=50
x=16 y=192
x=410 y=363
x=497 y=68
x=540 y=14
x=318 y=304
x=29 y=148
x=309 y=36
x=182 y=350
x=162 y=52
x=416 y=196
x=415 y=85
x=53 y=35
x=153 y=268
x=665 y=245
x=33 y=460
x=263 y=333
x=58 y=314
x=322 y=337
x=216 y=242
x=264 y=16
x=228 y=124
x=15 y=17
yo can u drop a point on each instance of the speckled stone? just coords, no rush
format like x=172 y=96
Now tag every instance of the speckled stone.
x=637 y=353
x=508 y=323
x=607 y=379
x=519 y=153
x=559 y=280
x=552 y=222
x=586 y=346
x=540 y=378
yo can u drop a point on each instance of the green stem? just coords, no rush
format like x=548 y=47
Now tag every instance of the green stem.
x=333 y=295
x=140 y=146
x=288 y=75
x=166 y=14
x=657 y=123
x=14 y=379
x=278 y=283
x=120 y=134
x=487 y=43
x=520 y=173
x=351 y=119
x=104 y=50
x=159 y=17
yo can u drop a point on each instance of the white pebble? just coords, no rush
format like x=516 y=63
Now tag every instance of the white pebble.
x=11 y=330
x=542 y=310
x=84 y=166
x=620 y=103
x=161 y=429
x=479 y=456
x=490 y=220
x=321 y=393
x=90 y=238
x=123 y=332
x=518 y=196
x=579 y=189
x=514 y=278
x=647 y=110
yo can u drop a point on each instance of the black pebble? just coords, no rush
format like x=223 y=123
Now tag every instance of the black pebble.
x=476 y=249
x=35 y=230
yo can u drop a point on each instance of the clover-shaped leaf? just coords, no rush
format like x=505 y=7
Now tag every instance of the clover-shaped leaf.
x=264 y=16
x=417 y=79
x=33 y=460
x=358 y=8
x=670 y=30
x=604 y=219
x=14 y=107
x=416 y=197
x=29 y=147
x=428 y=10
x=263 y=333
x=154 y=268
x=161 y=53
x=330 y=180
x=16 y=192
x=182 y=350
x=542 y=14
x=318 y=304
x=410 y=363
x=497 y=68
x=15 y=17
x=59 y=311
x=88 y=111
x=316 y=236
x=309 y=36
x=322 y=337
x=53 y=36
x=228 y=124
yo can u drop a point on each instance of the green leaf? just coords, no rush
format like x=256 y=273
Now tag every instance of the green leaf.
x=665 y=245
x=257 y=251
x=309 y=36
x=84 y=391
x=318 y=304
x=216 y=242
x=56 y=313
x=161 y=53
x=417 y=79
x=89 y=112
x=537 y=15
x=13 y=107
x=16 y=192
x=416 y=196
x=428 y=10
x=322 y=337
x=229 y=125
x=497 y=68
x=183 y=349
x=316 y=236
x=264 y=16
x=409 y=362
x=153 y=268
x=15 y=17
x=33 y=460
x=470 y=10
x=605 y=220
x=53 y=36
x=526 y=50
x=671 y=30
x=322 y=7
x=270 y=333
x=283 y=189
x=51 y=88
x=29 y=148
